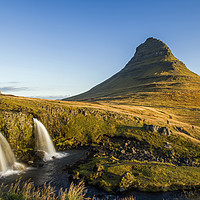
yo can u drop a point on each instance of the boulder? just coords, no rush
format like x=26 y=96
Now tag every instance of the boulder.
x=151 y=128
x=165 y=131
x=39 y=155
x=18 y=166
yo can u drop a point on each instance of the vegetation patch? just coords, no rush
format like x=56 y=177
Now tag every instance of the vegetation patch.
x=144 y=176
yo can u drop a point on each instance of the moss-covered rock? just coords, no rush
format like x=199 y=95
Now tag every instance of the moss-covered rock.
x=127 y=181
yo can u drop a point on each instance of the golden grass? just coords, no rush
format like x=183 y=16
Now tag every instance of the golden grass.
x=27 y=191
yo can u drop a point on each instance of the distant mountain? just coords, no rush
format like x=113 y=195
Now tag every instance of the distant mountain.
x=153 y=68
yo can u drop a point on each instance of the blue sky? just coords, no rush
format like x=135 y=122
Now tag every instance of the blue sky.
x=58 y=48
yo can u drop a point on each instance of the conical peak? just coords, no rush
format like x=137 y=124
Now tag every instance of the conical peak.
x=151 y=48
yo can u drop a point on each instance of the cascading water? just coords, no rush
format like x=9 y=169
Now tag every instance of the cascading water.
x=7 y=158
x=43 y=139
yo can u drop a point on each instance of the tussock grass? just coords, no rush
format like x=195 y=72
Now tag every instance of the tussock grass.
x=27 y=191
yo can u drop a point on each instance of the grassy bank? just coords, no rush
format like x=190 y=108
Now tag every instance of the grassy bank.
x=114 y=175
x=115 y=130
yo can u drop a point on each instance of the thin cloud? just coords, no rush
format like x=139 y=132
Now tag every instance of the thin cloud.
x=13 y=89
x=13 y=82
x=10 y=82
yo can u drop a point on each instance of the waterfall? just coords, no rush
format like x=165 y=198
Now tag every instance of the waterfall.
x=7 y=158
x=43 y=140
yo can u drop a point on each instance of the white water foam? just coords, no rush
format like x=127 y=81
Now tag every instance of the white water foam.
x=44 y=142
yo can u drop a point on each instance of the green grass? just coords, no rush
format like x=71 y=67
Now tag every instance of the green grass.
x=70 y=124
x=144 y=176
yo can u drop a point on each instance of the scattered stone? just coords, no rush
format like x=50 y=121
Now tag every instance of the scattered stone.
x=133 y=150
x=30 y=162
x=165 y=130
x=123 y=151
x=167 y=145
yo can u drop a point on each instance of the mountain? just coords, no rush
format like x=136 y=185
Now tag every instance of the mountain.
x=153 y=68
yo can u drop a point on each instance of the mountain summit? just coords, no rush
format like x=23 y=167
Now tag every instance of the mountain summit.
x=153 y=68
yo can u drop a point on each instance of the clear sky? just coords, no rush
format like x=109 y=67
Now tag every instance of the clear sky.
x=58 y=48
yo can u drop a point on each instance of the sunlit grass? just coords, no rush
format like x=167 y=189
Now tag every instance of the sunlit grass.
x=27 y=191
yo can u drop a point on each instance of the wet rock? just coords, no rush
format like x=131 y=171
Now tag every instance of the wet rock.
x=69 y=168
x=39 y=155
x=18 y=166
x=30 y=162
x=38 y=165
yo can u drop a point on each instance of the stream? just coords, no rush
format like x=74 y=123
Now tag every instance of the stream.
x=54 y=172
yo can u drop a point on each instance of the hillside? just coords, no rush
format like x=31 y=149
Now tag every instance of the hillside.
x=152 y=72
x=141 y=127
x=116 y=138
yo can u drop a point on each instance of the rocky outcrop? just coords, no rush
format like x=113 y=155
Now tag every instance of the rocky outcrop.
x=151 y=48
x=164 y=130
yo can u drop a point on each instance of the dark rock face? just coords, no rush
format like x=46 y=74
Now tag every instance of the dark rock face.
x=151 y=48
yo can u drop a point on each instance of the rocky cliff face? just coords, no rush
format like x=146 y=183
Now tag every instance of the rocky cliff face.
x=152 y=48
x=152 y=68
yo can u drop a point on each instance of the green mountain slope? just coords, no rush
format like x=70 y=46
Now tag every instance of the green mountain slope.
x=152 y=69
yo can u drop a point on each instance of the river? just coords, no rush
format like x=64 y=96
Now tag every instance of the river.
x=54 y=172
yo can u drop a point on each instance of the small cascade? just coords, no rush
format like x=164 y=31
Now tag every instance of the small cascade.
x=43 y=139
x=7 y=158
x=3 y=164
